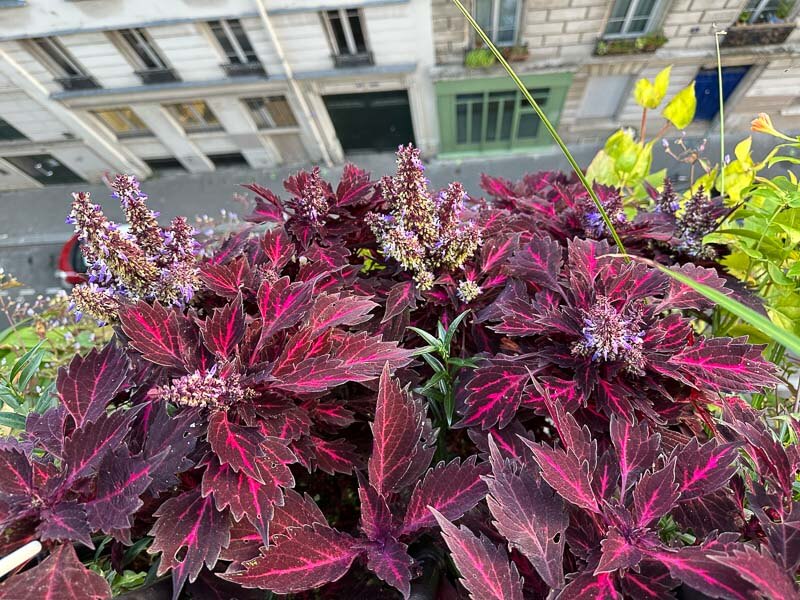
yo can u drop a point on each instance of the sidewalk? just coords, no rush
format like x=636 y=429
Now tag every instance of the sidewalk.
x=36 y=217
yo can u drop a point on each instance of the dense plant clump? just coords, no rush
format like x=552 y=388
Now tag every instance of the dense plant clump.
x=273 y=413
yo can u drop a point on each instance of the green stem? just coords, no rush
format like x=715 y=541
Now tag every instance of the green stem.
x=548 y=125
x=721 y=116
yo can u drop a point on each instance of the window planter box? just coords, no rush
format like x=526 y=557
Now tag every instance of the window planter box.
x=151 y=76
x=515 y=53
x=758 y=34
x=345 y=61
x=77 y=82
x=244 y=69
x=640 y=45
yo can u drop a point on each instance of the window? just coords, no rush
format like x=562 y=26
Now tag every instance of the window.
x=61 y=64
x=499 y=19
x=489 y=118
x=44 y=169
x=7 y=132
x=234 y=43
x=143 y=52
x=194 y=116
x=123 y=122
x=346 y=36
x=632 y=17
x=603 y=96
x=767 y=11
x=270 y=112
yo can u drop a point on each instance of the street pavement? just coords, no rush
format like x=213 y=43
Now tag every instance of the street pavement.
x=32 y=228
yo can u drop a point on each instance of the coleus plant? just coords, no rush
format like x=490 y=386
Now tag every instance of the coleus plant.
x=606 y=337
x=313 y=553
x=260 y=433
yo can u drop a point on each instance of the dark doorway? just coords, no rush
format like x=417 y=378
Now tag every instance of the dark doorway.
x=372 y=121
x=44 y=169
x=165 y=165
x=706 y=89
x=233 y=159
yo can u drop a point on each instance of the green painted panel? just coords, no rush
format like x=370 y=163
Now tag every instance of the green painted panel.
x=490 y=113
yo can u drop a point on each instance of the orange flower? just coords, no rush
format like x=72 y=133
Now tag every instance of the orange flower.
x=763 y=124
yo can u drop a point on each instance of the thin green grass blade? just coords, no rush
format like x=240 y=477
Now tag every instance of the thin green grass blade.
x=781 y=336
x=548 y=125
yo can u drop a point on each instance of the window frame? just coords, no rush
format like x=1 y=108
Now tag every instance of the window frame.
x=263 y=111
x=240 y=53
x=42 y=47
x=206 y=127
x=653 y=18
x=146 y=44
x=761 y=6
x=16 y=134
x=492 y=33
x=344 y=18
x=134 y=133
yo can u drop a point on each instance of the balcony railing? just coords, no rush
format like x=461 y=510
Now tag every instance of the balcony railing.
x=151 y=76
x=244 y=69
x=758 y=34
x=363 y=59
x=77 y=82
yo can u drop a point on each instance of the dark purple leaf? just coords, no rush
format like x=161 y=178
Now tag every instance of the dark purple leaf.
x=236 y=445
x=227 y=279
x=636 y=448
x=761 y=570
x=567 y=474
x=122 y=478
x=397 y=430
x=655 y=495
x=155 y=332
x=539 y=262
x=282 y=304
x=278 y=248
x=401 y=296
x=528 y=514
x=587 y=586
x=376 y=517
x=495 y=392
x=86 y=447
x=90 y=382
x=485 y=570
x=704 y=468
x=60 y=576
x=618 y=553
x=331 y=310
x=223 y=330
x=390 y=561
x=65 y=521
x=189 y=532
x=452 y=489
x=302 y=559
x=724 y=365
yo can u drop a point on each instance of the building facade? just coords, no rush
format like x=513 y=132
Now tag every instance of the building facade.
x=89 y=87
x=581 y=59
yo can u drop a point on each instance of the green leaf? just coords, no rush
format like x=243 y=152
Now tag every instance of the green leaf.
x=777 y=275
x=680 y=110
x=777 y=334
x=451 y=331
x=12 y=420
x=427 y=337
x=650 y=95
x=31 y=368
x=434 y=362
x=424 y=350
x=23 y=361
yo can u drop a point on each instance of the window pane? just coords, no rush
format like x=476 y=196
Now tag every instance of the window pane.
x=613 y=27
x=339 y=38
x=139 y=44
x=224 y=42
x=280 y=111
x=243 y=40
x=644 y=8
x=122 y=120
x=507 y=120
x=58 y=54
x=528 y=125
x=355 y=28
x=507 y=22
x=638 y=25
x=500 y=113
x=477 y=119
x=194 y=115
x=483 y=14
x=7 y=132
x=620 y=9
x=461 y=123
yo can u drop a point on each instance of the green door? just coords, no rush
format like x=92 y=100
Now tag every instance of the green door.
x=490 y=114
x=371 y=121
